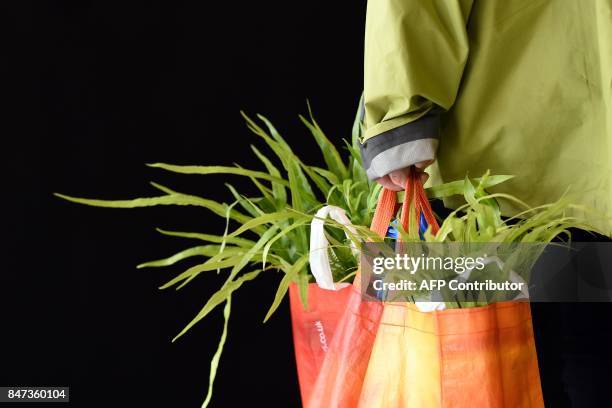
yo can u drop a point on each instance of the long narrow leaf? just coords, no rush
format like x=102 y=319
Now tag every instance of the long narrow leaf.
x=265 y=219
x=205 y=250
x=197 y=269
x=218 y=298
x=330 y=153
x=207 y=237
x=171 y=199
x=217 y=170
x=277 y=188
x=290 y=275
x=456 y=187
x=214 y=363
x=246 y=258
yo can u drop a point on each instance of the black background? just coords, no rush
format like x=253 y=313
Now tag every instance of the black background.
x=97 y=89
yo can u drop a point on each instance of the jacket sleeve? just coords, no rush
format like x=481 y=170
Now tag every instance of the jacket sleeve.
x=415 y=53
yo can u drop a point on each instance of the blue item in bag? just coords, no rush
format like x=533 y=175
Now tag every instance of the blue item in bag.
x=422 y=226
x=394 y=234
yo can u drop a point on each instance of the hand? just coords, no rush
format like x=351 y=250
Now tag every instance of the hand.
x=396 y=180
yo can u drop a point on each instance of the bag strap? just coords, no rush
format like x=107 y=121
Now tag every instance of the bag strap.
x=387 y=207
x=421 y=203
x=318 y=256
x=414 y=198
x=385 y=211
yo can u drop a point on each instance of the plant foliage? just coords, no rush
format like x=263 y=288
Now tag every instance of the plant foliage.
x=270 y=231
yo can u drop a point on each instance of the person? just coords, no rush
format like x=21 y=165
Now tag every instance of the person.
x=521 y=87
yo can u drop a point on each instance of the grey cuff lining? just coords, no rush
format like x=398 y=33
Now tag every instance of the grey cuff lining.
x=401 y=156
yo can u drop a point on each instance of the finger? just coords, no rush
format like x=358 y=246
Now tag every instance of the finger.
x=400 y=177
x=423 y=177
x=387 y=183
x=423 y=164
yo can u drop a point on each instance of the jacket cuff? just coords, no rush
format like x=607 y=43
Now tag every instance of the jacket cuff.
x=402 y=146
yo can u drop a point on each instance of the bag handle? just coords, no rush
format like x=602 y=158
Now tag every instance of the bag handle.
x=414 y=196
x=420 y=202
x=384 y=212
x=387 y=206
x=386 y=209
x=318 y=257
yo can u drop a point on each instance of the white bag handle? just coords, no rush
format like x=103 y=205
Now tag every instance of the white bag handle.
x=319 y=256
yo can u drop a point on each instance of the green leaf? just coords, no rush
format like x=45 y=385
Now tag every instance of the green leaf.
x=214 y=363
x=194 y=271
x=328 y=175
x=456 y=187
x=218 y=170
x=225 y=231
x=252 y=251
x=330 y=153
x=205 y=250
x=217 y=298
x=208 y=238
x=265 y=191
x=163 y=188
x=142 y=202
x=491 y=213
x=356 y=165
x=266 y=219
x=281 y=234
x=171 y=199
x=319 y=181
x=356 y=202
x=278 y=189
x=274 y=133
x=299 y=203
x=354 y=152
x=244 y=202
x=347 y=188
x=373 y=196
x=290 y=274
x=302 y=196
x=469 y=193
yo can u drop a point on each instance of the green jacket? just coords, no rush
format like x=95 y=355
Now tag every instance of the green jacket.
x=519 y=87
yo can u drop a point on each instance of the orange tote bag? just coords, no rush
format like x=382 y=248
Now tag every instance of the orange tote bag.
x=314 y=328
x=475 y=357
x=481 y=357
x=334 y=337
